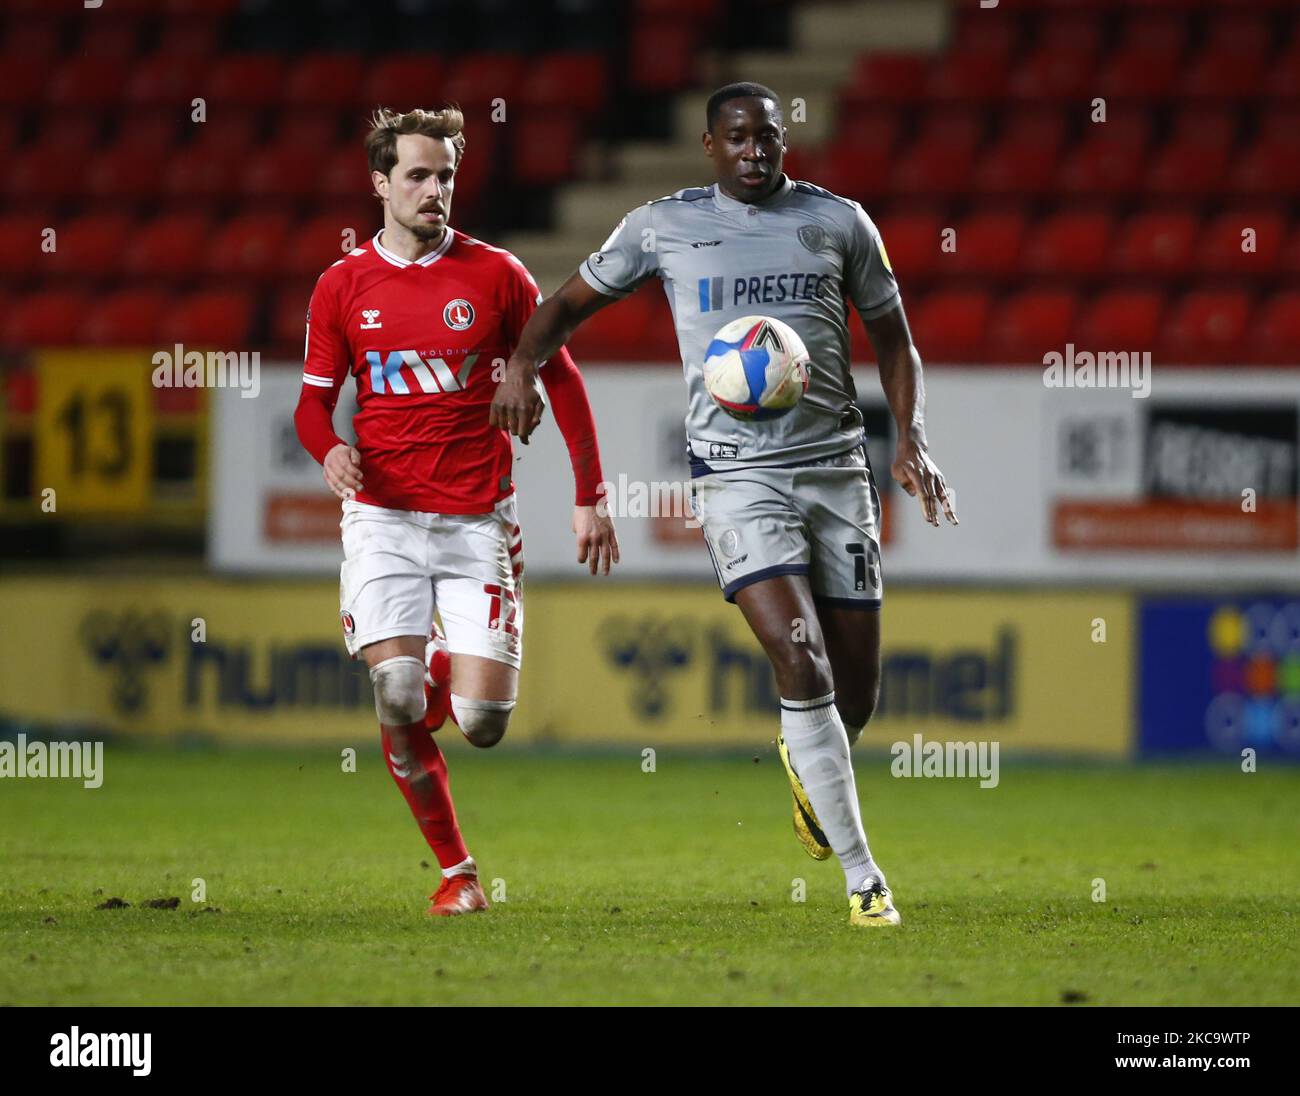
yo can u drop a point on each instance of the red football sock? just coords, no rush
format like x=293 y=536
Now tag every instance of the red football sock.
x=421 y=774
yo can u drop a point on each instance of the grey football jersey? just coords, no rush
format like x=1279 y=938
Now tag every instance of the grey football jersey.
x=795 y=256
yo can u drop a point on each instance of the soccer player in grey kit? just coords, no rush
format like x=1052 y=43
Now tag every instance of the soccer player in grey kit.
x=788 y=506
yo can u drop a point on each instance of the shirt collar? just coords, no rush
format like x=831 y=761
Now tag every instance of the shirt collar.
x=424 y=260
x=779 y=195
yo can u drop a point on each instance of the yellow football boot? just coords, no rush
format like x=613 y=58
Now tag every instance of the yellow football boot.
x=806 y=826
x=872 y=905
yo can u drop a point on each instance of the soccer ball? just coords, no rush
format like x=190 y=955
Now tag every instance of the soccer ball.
x=756 y=368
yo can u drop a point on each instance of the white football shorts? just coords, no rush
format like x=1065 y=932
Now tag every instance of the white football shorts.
x=400 y=566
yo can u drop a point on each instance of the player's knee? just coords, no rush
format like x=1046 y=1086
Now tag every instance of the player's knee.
x=802 y=671
x=483 y=722
x=399 y=690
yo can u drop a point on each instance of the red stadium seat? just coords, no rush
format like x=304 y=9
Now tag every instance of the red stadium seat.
x=147 y=133
x=404 y=81
x=886 y=78
x=616 y=333
x=1074 y=243
x=1289 y=260
x=243 y=79
x=1041 y=126
x=47 y=318
x=25 y=78
x=192 y=36
x=1055 y=73
x=247 y=246
x=117 y=39
x=219 y=319
x=931 y=167
x=967 y=77
x=949 y=325
x=1069 y=31
x=988 y=32
x=131 y=317
x=1276 y=332
x=1219 y=248
x=90 y=246
x=1160 y=242
x=868 y=132
x=477 y=79
x=169 y=247
x=1187 y=167
x=1139 y=73
x=20 y=244
x=987 y=243
x=289 y=316
x=1158 y=32
x=1102 y=165
x=1029 y=324
x=662 y=55
x=1218 y=74
x=1284 y=74
x=164 y=79
x=32 y=37
x=126 y=173
x=324 y=80
x=1208 y=325
x=566 y=82
x=229 y=135
x=1246 y=33
x=957 y=127
x=1015 y=166
x=315 y=245
x=1121 y=319
x=84 y=82
x=1267 y=167
x=274 y=170
x=912 y=240
x=545 y=148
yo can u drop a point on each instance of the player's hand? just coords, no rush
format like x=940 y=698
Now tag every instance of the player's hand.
x=597 y=541
x=342 y=471
x=518 y=404
x=918 y=475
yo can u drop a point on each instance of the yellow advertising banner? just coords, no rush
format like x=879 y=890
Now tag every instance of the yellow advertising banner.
x=641 y=665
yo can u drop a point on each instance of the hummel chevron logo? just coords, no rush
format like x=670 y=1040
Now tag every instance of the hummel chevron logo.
x=706 y=243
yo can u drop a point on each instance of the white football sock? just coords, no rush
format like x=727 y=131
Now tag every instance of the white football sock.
x=819 y=751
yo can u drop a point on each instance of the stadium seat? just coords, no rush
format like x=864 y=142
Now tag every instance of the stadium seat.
x=36 y=38
x=115 y=39
x=988 y=32
x=243 y=79
x=126 y=173
x=871 y=133
x=1158 y=32
x=886 y=78
x=1267 y=167
x=200 y=172
x=1028 y=324
x=1103 y=165
x=545 y=146
x=478 y=79
x=25 y=78
x=247 y=246
x=566 y=82
x=1015 y=165
x=912 y=240
x=1080 y=31
x=275 y=170
x=1158 y=242
x=163 y=78
x=987 y=243
x=1187 y=167
x=1063 y=72
x=289 y=316
x=615 y=333
x=1121 y=319
x=324 y=80
x=218 y=319
x=84 y=82
x=1216 y=74
x=90 y=246
x=50 y=170
x=314 y=245
x=949 y=325
x=1138 y=73
x=193 y=36
x=168 y=248
x=131 y=317
x=931 y=167
x=403 y=81
x=20 y=245
x=1208 y=325
x=965 y=77
x=45 y=318
x=662 y=55
x=1219 y=248
x=1276 y=332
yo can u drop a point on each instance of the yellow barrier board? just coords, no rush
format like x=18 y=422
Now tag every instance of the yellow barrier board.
x=94 y=432
x=643 y=666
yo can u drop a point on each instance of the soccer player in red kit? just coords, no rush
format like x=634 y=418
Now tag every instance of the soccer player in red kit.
x=424 y=319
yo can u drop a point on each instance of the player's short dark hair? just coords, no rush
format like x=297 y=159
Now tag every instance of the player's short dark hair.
x=743 y=90
x=387 y=125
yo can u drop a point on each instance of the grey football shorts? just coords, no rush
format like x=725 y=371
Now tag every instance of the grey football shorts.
x=820 y=519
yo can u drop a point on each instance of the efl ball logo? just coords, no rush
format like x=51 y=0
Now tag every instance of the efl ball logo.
x=756 y=368
x=458 y=314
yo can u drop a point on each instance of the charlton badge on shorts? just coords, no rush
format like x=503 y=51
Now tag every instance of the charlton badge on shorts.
x=458 y=314
x=349 y=625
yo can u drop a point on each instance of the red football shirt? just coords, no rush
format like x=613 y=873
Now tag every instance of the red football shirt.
x=422 y=339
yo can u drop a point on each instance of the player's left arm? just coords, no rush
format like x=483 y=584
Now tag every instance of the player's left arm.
x=874 y=292
x=597 y=541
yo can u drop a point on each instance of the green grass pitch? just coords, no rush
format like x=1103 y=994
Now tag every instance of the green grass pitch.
x=671 y=887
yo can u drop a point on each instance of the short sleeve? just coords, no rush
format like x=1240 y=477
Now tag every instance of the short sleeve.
x=626 y=259
x=870 y=278
x=325 y=353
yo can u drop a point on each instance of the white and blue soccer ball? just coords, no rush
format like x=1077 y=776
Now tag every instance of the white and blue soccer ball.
x=756 y=368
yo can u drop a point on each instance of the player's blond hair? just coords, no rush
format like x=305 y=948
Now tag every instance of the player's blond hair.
x=388 y=125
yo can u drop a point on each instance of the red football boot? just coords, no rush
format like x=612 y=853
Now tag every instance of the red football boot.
x=458 y=894
x=437 y=681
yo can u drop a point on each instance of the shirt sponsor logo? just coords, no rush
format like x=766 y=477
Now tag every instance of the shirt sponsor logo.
x=715 y=293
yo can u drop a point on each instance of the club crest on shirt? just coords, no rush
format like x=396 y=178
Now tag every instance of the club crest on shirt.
x=349 y=625
x=813 y=237
x=458 y=314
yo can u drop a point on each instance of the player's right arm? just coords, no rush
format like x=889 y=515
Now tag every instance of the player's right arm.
x=625 y=260
x=325 y=366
